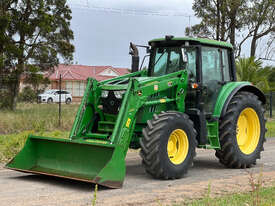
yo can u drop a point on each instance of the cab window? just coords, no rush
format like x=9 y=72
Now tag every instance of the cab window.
x=225 y=60
x=211 y=64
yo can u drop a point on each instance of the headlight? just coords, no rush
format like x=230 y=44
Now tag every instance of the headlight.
x=119 y=94
x=104 y=93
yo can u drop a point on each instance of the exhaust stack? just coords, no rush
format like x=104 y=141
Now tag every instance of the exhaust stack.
x=133 y=51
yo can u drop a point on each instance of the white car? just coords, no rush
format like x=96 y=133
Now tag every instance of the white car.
x=52 y=95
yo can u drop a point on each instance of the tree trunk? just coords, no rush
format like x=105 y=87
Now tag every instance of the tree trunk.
x=218 y=21
x=253 y=47
x=223 y=16
x=14 y=84
x=232 y=32
x=15 y=94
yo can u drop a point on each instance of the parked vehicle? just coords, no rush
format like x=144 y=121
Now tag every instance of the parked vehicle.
x=52 y=95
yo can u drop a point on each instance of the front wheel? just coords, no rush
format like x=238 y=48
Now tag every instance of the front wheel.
x=168 y=145
x=242 y=131
x=68 y=101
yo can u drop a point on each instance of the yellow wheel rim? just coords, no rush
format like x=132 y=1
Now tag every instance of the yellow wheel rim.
x=248 y=131
x=177 y=147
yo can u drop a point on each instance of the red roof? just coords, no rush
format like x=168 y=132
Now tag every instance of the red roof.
x=81 y=72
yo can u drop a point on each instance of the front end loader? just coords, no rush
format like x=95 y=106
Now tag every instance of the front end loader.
x=187 y=98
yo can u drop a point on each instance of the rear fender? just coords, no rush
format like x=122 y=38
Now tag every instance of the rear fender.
x=229 y=91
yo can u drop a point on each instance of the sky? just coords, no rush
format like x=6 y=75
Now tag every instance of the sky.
x=103 y=29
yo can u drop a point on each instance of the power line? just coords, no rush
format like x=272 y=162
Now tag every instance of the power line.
x=133 y=12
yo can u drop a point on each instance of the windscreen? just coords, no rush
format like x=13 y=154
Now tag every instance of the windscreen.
x=167 y=60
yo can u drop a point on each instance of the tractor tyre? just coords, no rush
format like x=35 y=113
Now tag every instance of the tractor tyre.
x=168 y=145
x=242 y=131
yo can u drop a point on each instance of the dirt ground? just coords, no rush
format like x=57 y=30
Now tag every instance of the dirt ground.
x=139 y=188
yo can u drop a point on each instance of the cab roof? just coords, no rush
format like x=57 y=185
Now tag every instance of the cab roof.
x=195 y=40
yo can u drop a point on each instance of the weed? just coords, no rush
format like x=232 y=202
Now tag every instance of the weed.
x=256 y=185
x=95 y=193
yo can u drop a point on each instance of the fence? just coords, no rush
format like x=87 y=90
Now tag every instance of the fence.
x=270 y=104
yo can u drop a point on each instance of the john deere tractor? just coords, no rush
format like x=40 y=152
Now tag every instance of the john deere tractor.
x=188 y=98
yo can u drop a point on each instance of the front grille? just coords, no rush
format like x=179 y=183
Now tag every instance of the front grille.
x=111 y=104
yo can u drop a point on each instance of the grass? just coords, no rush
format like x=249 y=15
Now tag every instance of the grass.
x=270 y=125
x=258 y=195
x=267 y=197
x=11 y=144
x=37 y=117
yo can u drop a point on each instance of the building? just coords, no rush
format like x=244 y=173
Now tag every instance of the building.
x=74 y=77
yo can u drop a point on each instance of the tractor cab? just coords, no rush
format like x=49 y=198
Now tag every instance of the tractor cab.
x=208 y=67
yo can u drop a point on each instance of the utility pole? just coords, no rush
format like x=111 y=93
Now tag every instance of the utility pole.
x=59 y=106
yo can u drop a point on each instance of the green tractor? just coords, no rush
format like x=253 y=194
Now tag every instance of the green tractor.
x=188 y=98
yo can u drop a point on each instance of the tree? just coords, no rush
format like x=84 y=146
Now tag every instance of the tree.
x=250 y=69
x=36 y=79
x=219 y=19
x=36 y=32
x=237 y=21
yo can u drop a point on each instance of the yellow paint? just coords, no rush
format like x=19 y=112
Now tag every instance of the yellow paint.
x=248 y=130
x=151 y=83
x=162 y=100
x=178 y=146
x=96 y=141
x=128 y=123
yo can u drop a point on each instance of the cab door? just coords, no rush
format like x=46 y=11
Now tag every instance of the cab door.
x=215 y=74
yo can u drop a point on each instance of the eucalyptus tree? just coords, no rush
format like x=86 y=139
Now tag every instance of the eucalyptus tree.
x=35 y=32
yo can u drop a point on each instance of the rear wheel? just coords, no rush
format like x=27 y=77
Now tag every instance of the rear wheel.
x=168 y=145
x=242 y=131
x=68 y=101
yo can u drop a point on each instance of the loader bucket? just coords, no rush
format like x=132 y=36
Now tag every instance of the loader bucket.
x=93 y=161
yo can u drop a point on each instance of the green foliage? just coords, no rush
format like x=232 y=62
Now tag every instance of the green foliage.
x=225 y=20
x=33 y=32
x=270 y=125
x=35 y=78
x=271 y=78
x=250 y=69
x=27 y=95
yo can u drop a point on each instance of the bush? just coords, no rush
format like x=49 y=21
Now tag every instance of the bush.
x=4 y=98
x=27 y=95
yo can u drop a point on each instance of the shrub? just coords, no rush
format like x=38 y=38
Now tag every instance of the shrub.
x=27 y=95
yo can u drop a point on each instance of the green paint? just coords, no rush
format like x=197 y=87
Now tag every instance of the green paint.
x=223 y=95
x=199 y=40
